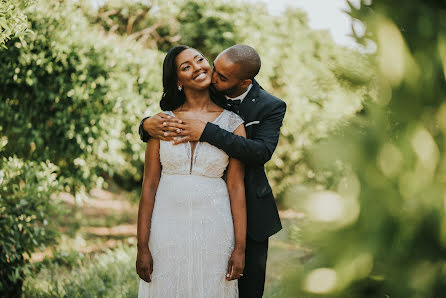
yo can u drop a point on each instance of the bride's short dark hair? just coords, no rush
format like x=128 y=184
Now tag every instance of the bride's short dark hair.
x=172 y=98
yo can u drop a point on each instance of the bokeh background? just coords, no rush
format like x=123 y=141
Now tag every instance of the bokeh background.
x=359 y=173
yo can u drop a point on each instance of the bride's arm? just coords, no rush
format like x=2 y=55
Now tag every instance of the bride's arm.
x=152 y=173
x=236 y=188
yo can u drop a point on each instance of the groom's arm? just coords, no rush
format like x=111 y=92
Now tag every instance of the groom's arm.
x=256 y=151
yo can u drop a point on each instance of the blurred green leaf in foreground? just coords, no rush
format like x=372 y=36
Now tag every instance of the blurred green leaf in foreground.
x=381 y=232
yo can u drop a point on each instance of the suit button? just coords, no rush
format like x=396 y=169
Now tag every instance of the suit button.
x=253 y=99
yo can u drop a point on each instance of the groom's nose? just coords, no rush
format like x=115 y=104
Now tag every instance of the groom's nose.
x=214 y=77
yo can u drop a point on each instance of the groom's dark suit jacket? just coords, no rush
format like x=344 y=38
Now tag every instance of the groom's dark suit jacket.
x=263 y=115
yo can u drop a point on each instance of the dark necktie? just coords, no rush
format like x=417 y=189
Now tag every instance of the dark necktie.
x=233 y=105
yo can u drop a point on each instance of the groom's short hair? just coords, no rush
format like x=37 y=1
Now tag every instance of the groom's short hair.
x=247 y=58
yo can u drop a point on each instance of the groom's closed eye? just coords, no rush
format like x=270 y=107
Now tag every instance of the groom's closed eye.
x=220 y=76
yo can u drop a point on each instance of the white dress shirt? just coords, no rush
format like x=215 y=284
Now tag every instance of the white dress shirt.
x=241 y=96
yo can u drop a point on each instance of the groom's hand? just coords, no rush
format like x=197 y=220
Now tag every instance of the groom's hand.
x=162 y=126
x=144 y=264
x=190 y=131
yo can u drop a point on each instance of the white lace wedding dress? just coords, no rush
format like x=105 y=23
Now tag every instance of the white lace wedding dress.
x=192 y=233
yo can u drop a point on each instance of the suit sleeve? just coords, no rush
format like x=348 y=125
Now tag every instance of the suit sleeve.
x=256 y=151
x=142 y=133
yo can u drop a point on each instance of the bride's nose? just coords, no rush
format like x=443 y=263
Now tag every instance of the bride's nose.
x=197 y=67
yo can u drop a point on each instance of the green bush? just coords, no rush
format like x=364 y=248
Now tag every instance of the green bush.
x=208 y=25
x=74 y=96
x=27 y=213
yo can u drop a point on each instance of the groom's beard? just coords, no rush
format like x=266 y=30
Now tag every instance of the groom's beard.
x=227 y=92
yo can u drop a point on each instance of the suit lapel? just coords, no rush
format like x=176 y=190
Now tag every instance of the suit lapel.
x=247 y=107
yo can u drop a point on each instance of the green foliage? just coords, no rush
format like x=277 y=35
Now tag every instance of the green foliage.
x=75 y=97
x=381 y=231
x=208 y=26
x=111 y=274
x=13 y=22
x=205 y=25
x=27 y=213
x=152 y=24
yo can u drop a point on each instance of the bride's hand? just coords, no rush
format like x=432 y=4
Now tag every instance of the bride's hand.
x=236 y=264
x=144 y=264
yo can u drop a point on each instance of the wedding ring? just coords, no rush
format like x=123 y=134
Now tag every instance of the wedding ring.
x=241 y=274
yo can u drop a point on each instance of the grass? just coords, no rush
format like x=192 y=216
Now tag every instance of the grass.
x=109 y=274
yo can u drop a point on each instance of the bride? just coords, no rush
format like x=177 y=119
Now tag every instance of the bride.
x=191 y=223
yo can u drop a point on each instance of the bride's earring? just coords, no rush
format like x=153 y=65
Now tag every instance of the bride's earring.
x=180 y=88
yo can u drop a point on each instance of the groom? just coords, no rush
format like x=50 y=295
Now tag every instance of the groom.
x=233 y=75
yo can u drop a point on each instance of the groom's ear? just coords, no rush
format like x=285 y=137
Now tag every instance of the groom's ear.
x=246 y=83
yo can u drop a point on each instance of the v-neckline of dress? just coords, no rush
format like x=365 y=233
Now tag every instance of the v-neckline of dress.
x=191 y=152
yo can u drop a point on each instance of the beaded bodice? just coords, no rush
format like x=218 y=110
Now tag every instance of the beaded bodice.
x=205 y=159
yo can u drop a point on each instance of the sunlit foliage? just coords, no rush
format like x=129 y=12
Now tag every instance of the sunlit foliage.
x=27 y=214
x=73 y=96
x=13 y=22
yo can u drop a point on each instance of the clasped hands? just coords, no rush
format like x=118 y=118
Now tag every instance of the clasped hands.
x=170 y=128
